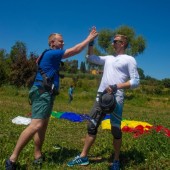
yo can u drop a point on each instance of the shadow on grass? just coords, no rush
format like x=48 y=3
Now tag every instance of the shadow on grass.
x=60 y=155
x=126 y=158
x=56 y=157
x=131 y=157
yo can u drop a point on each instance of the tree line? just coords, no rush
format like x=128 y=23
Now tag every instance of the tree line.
x=17 y=68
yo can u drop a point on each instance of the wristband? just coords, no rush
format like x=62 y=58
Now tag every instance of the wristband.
x=91 y=43
x=114 y=88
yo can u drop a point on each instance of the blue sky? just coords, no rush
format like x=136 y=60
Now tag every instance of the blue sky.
x=31 y=21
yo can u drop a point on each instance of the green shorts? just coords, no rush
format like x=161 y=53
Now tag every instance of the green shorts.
x=42 y=103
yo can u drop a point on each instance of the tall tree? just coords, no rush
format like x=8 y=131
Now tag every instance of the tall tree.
x=83 y=67
x=71 y=66
x=74 y=66
x=32 y=69
x=22 y=68
x=4 y=68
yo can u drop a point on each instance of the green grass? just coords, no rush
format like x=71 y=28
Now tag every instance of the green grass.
x=149 y=151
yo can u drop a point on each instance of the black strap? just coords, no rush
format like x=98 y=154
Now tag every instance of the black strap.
x=48 y=82
x=40 y=57
x=43 y=74
x=41 y=70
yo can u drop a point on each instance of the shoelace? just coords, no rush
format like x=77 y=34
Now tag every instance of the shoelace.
x=76 y=158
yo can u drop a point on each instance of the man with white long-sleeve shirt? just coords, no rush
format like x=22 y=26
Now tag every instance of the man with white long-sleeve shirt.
x=120 y=72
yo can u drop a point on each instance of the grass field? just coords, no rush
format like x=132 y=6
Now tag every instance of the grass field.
x=148 y=152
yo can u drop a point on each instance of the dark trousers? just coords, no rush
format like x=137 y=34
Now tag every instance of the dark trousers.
x=70 y=98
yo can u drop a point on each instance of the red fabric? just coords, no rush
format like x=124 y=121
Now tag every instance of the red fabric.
x=140 y=130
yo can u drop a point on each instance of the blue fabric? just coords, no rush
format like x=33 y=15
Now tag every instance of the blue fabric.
x=107 y=117
x=72 y=117
x=50 y=63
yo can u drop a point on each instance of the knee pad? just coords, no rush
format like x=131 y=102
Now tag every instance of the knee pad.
x=92 y=129
x=97 y=115
x=116 y=132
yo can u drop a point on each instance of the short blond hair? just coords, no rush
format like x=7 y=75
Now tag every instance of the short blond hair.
x=124 y=38
x=51 y=37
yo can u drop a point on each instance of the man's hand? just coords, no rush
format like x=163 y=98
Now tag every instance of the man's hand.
x=112 y=89
x=93 y=34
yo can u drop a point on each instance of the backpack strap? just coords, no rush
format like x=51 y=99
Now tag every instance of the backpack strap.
x=47 y=82
x=40 y=57
x=43 y=74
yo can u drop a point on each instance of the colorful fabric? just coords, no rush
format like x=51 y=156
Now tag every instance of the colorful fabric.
x=73 y=117
x=136 y=127
x=56 y=114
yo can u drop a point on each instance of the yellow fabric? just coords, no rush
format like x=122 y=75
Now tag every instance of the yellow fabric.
x=130 y=123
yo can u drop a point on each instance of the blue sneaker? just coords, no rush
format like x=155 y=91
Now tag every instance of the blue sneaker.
x=115 y=165
x=78 y=161
x=10 y=165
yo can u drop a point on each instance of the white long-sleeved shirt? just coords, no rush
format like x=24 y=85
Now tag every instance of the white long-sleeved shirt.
x=117 y=69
